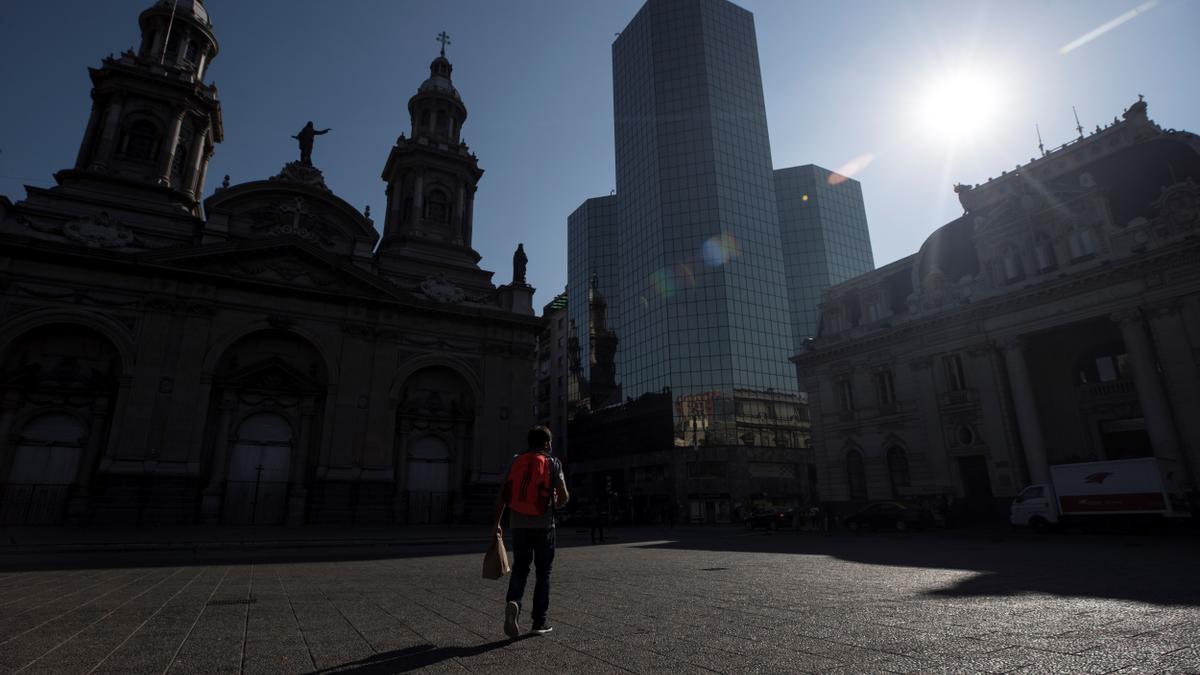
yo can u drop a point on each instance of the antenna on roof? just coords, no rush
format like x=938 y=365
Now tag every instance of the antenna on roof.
x=1078 y=126
x=1040 y=145
x=167 y=39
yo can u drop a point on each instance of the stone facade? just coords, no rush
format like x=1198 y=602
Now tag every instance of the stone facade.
x=1056 y=321
x=263 y=360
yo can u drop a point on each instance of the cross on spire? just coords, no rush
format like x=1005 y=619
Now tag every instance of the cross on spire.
x=444 y=39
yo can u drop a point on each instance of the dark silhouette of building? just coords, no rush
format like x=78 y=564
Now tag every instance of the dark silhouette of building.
x=258 y=360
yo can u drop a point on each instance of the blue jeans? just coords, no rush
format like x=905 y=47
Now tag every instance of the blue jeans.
x=532 y=546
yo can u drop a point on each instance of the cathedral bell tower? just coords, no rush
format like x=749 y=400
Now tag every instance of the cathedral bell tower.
x=154 y=122
x=431 y=179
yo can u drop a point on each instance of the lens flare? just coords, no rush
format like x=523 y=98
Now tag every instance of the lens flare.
x=849 y=169
x=663 y=283
x=719 y=250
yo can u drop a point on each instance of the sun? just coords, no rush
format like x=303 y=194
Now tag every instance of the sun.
x=958 y=105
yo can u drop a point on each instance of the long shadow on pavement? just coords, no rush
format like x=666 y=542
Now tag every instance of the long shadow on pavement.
x=1154 y=569
x=411 y=658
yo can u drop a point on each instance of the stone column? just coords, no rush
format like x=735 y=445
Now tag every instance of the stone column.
x=1182 y=378
x=91 y=454
x=418 y=197
x=298 y=491
x=469 y=214
x=210 y=509
x=1028 y=423
x=110 y=137
x=78 y=506
x=190 y=176
x=1155 y=408
x=459 y=219
x=9 y=401
x=198 y=189
x=172 y=142
x=89 y=136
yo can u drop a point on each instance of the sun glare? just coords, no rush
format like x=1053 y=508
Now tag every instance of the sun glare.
x=959 y=105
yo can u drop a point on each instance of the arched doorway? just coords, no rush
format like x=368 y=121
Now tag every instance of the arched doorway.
x=856 y=476
x=265 y=411
x=428 y=481
x=898 y=476
x=44 y=467
x=259 y=460
x=435 y=419
x=58 y=383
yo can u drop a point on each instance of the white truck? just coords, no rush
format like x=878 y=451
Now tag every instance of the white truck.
x=1126 y=489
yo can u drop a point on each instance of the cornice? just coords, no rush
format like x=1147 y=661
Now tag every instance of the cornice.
x=1181 y=255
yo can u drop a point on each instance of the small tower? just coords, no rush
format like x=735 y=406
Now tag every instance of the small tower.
x=431 y=180
x=154 y=122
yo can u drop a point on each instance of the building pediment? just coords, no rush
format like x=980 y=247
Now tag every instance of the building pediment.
x=281 y=208
x=283 y=261
x=273 y=375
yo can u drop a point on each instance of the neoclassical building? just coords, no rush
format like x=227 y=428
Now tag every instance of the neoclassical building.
x=261 y=356
x=1056 y=321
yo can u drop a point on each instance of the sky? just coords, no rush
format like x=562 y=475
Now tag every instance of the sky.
x=907 y=97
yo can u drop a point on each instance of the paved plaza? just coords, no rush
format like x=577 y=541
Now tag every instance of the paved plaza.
x=688 y=600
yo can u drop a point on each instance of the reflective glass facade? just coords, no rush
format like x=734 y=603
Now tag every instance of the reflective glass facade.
x=591 y=249
x=703 y=298
x=825 y=239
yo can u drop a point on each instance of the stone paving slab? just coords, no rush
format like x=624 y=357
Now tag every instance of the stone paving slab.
x=689 y=601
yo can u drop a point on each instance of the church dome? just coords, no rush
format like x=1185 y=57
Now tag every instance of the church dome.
x=192 y=9
x=439 y=79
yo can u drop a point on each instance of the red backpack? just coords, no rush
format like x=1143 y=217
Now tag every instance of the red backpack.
x=529 y=483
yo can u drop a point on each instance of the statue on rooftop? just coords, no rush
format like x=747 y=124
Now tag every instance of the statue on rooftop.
x=306 y=136
x=519 y=263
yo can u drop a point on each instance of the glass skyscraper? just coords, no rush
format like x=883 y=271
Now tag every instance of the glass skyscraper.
x=703 y=303
x=825 y=239
x=695 y=266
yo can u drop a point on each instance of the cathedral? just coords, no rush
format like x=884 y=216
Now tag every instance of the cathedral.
x=263 y=355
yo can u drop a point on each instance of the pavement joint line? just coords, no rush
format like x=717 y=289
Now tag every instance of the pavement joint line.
x=75 y=608
x=203 y=608
x=299 y=629
x=146 y=620
x=246 y=620
x=102 y=618
x=94 y=574
x=421 y=635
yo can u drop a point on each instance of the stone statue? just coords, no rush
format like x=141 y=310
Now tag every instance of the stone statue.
x=306 y=136
x=519 y=262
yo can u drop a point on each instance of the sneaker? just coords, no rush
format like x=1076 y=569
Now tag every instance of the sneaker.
x=511 y=629
x=541 y=628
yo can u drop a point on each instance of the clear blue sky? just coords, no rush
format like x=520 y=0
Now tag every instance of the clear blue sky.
x=842 y=81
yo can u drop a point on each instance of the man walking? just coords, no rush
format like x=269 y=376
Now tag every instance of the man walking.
x=533 y=487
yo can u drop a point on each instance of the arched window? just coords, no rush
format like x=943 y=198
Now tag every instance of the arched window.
x=426 y=119
x=856 y=476
x=443 y=122
x=1043 y=253
x=1011 y=266
x=141 y=140
x=437 y=206
x=897 y=462
x=1082 y=245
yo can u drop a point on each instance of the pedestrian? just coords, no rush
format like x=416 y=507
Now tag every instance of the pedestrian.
x=533 y=487
x=597 y=519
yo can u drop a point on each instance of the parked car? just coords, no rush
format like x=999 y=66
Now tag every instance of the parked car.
x=772 y=519
x=891 y=515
